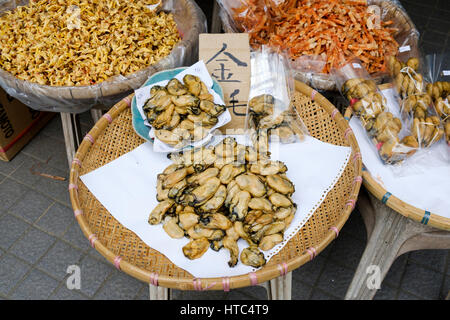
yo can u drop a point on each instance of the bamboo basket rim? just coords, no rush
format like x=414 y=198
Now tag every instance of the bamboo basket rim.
x=264 y=274
x=396 y=204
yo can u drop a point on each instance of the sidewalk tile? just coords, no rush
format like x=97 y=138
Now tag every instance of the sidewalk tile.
x=119 y=286
x=57 y=219
x=58 y=258
x=93 y=273
x=11 y=228
x=31 y=206
x=421 y=281
x=10 y=191
x=12 y=271
x=33 y=245
x=36 y=286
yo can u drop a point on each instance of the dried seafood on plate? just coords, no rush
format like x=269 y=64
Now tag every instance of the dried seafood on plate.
x=182 y=111
x=216 y=195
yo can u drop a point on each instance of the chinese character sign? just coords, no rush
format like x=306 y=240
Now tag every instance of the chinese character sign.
x=227 y=57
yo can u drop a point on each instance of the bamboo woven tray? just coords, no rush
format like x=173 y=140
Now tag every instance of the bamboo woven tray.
x=405 y=209
x=113 y=135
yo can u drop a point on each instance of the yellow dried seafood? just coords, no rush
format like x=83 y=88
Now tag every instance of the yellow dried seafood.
x=83 y=42
x=202 y=202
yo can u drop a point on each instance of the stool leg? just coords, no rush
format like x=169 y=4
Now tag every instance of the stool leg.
x=391 y=230
x=158 y=293
x=72 y=134
x=96 y=114
x=281 y=288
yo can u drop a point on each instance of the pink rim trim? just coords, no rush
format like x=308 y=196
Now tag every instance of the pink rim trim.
x=347 y=131
x=226 y=284
x=334 y=113
x=127 y=101
x=253 y=278
x=77 y=212
x=283 y=267
x=73 y=186
x=336 y=231
x=107 y=117
x=90 y=138
x=117 y=262
x=312 y=252
x=198 y=285
x=358 y=179
x=356 y=156
x=78 y=162
x=351 y=203
x=92 y=239
x=154 y=279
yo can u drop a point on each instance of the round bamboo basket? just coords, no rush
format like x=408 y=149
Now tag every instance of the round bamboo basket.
x=403 y=208
x=76 y=99
x=113 y=135
x=390 y=11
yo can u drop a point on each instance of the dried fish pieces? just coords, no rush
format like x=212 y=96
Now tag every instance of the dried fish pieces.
x=217 y=194
x=196 y=248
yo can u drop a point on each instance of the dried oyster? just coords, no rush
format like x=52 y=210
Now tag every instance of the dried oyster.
x=160 y=210
x=251 y=256
x=196 y=248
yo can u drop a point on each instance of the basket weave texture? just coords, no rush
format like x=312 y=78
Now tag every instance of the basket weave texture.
x=113 y=135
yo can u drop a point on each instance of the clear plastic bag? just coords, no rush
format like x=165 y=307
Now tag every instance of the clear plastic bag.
x=386 y=131
x=416 y=103
x=190 y=21
x=439 y=89
x=261 y=12
x=270 y=113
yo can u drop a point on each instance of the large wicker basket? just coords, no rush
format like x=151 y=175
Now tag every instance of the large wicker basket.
x=76 y=99
x=113 y=135
x=390 y=11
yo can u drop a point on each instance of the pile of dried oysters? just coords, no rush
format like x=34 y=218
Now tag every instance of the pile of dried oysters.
x=182 y=112
x=216 y=195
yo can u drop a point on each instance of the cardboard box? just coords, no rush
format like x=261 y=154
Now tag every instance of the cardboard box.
x=18 y=124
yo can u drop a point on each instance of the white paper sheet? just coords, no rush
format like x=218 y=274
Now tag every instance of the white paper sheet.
x=417 y=183
x=127 y=189
x=198 y=69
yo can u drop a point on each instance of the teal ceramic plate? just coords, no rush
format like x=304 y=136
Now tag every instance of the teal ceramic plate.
x=138 y=123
